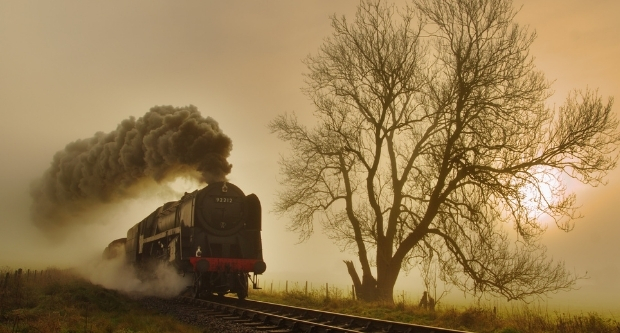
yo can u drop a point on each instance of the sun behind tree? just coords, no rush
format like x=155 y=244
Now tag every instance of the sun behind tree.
x=431 y=126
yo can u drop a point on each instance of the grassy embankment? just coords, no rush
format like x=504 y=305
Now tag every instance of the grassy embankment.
x=59 y=301
x=475 y=319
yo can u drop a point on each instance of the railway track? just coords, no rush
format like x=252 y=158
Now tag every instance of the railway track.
x=278 y=318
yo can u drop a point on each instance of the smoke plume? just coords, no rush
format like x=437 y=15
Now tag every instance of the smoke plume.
x=165 y=143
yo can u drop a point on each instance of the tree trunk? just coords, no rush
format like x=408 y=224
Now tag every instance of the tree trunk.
x=365 y=289
x=370 y=289
x=386 y=279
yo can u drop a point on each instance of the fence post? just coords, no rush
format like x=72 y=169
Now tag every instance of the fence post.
x=306 y=292
x=326 y=290
x=353 y=292
x=286 y=287
x=18 y=277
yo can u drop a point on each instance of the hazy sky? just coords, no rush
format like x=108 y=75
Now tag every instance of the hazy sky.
x=71 y=68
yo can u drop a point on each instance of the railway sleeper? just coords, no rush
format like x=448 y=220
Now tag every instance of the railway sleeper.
x=368 y=328
x=267 y=328
x=223 y=315
x=230 y=318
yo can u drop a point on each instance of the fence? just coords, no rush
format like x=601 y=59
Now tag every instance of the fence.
x=326 y=291
x=14 y=288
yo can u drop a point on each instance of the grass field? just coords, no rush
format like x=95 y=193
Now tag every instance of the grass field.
x=58 y=301
x=520 y=319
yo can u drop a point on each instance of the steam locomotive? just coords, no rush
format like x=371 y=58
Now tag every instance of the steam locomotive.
x=213 y=233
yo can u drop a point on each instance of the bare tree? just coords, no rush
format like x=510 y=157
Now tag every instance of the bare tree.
x=432 y=130
x=430 y=273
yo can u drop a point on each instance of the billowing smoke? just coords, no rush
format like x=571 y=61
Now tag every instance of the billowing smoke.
x=165 y=143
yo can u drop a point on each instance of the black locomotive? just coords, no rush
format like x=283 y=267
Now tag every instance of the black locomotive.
x=213 y=233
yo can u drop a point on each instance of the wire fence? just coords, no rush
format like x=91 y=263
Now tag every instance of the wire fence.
x=15 y=289
x=309 y=289
x=326 y=291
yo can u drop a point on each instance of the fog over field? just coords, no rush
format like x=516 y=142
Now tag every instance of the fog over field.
x=70 y=69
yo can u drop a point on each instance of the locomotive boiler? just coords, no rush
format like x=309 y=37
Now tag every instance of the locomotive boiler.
x=214 y=234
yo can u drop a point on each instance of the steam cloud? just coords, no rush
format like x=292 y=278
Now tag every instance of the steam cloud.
x=117 y=274
x=165 y=143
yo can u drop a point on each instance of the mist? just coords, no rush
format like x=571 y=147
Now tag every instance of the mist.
x=70 y=69
x=167 y=142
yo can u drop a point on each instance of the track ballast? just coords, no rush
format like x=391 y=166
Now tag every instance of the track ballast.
x=271 y=317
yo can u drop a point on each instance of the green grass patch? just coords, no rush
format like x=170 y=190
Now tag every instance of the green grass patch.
x=57 y=301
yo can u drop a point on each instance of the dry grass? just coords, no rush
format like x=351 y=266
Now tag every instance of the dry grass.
x=474 y=319
x=58 y=301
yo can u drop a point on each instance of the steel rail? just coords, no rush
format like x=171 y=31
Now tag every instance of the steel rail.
x=283 y=318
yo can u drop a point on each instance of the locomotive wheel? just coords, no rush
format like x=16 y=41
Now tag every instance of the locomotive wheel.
x=197 y=285
x=242 y=291
x=242 y=294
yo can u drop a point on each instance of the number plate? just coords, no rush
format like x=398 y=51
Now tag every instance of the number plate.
x=223 y=200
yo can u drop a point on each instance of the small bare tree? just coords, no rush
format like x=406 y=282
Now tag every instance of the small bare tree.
x=432 y=129
x=431 y=273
